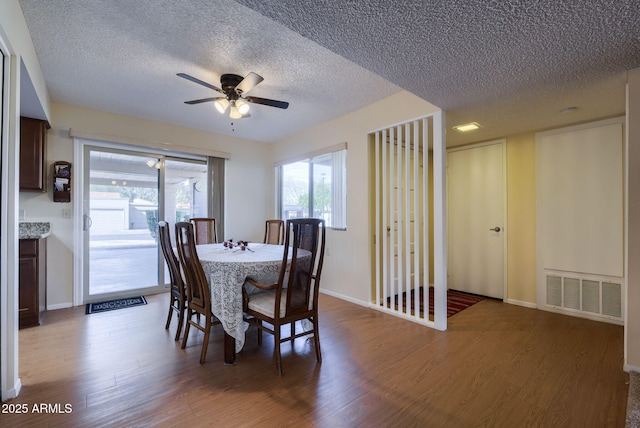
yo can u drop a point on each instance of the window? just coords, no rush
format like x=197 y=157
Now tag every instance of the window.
x=315 y=187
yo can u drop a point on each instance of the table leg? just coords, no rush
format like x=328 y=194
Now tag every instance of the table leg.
x=229 y=349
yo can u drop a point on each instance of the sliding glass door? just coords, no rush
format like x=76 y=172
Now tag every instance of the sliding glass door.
x=125 y=194
x=121 y=209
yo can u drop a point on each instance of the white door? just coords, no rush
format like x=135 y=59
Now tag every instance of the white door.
x=475 y=194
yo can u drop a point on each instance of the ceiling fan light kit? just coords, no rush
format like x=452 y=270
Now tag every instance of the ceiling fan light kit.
x=234 y=113
x=243 y=107
x=234 y=87
x=221 y=105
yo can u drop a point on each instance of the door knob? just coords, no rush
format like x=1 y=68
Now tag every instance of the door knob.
x=496 y=229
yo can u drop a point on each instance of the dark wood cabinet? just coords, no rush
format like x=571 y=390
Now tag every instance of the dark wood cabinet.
x=33 y=154
x=33 y=281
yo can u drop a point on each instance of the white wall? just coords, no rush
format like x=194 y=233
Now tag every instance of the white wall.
x=347 y=268
x=247 y=204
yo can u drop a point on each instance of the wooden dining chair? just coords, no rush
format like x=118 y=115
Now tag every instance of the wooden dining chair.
x=205 y=230
x=293 y=295
x=198 y=292
x=177 y=296
x=274 y=232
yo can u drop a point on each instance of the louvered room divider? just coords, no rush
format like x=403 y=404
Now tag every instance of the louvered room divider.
x=409 y=225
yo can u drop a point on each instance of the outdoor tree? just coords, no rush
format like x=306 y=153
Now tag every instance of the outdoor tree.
x=297 y=193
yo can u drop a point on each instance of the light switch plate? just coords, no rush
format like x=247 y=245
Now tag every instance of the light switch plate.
x=66 y=213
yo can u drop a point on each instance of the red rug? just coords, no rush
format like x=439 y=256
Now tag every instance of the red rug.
x=456 y=301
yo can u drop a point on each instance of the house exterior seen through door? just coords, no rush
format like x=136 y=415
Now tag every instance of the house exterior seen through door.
x=125 y=194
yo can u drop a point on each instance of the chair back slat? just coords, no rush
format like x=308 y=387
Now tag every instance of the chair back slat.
x=274 y=232
x=305 y=238
x=173 y=264
x=205 y=230
x=198 y=292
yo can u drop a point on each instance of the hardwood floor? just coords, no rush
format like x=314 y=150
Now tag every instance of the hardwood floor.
x=498 y=365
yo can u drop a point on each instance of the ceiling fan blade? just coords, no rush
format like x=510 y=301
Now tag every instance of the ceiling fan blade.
x=203 y=100
x=200 y=82
x=248 y=83
x=267 y=102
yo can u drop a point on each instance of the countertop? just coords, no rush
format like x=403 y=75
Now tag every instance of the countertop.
x=34 y=230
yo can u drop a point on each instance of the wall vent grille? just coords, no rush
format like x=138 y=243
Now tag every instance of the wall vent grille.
x=593 y=297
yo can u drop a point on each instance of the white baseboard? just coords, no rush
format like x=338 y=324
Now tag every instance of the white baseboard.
x=343 y=297
x=13 y=392
x=629 y=368
x=59 y=306
x=330 y=293
x=522 y=303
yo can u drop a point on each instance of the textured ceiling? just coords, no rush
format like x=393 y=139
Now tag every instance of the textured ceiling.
x=123 y=56
x=509 y=65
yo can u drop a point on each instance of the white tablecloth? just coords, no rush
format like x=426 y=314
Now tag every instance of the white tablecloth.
x=226 y=271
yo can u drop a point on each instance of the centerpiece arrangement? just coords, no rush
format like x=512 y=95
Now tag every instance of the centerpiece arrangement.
x=241 y=245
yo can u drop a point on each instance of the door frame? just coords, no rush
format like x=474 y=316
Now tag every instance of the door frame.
x=10 y=384
x=505 y=227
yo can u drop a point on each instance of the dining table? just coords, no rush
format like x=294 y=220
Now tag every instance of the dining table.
x=226 y=269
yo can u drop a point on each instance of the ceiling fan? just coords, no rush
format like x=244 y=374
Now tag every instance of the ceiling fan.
x=234 y=88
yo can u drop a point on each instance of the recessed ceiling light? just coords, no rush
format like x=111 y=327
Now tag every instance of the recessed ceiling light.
x=466 y=127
